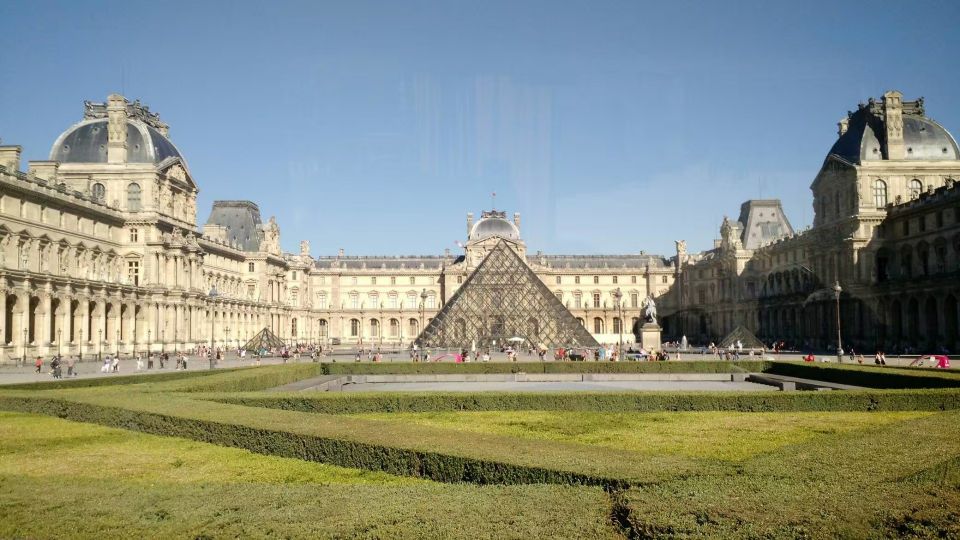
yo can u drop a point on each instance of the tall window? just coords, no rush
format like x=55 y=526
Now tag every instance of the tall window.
x=411 y=301
x=596 y=280
x=597 y=325
x=134 y=235
x=431 y=302
x=133 y=197
x=322 y=300
x=577 y=300
x=373 y=300
x=293 y=327
x=880 y=194
x=596 y=299
x=354 y=328
x=616 y=325
x=354 y=301
x=99 y=192
x=323 y=327
x=251 y=290
x=133 y=272
x=916 y=186
x=392 y=301
x=634 y=300
x=374 y=328
x=250 y=267
x=294 y=275
x=394 y=328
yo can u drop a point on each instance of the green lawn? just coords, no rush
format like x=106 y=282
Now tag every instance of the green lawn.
x=134 y=458
x=73 y=480
x=716 y=435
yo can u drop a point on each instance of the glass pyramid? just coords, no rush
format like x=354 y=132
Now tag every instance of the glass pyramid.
x=264 y=340
x=501 y=301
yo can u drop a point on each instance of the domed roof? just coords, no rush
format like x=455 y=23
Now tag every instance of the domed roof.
x=86 y=142
x=923 y=138
x=494 y=226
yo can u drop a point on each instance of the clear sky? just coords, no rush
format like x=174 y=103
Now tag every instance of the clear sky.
x=612 y=127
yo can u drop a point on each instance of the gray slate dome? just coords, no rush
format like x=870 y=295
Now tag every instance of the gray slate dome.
x=494 y=226
x=242 y=220
x=923 y=138
x=86 y=142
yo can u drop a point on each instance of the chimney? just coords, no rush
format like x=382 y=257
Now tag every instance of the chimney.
x=893 y=118
x=10 y=157
x=843 y=125
x=340 y=253
x=469 y=223
x=46 y=170
x=116 y=129
x=516 y=219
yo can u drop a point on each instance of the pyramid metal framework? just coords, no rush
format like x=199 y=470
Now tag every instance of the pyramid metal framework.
x=503 y=299
x=746 y=338
x=265 y=339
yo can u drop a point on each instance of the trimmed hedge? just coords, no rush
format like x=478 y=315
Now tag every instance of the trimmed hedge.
x=401 y=461
x=852 y=400
x=408 y=368
x=248 y=379
x=868 y=376
x=68 y=384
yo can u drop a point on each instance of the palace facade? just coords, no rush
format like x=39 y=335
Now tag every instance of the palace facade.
x=100 y=252
x=885 y=239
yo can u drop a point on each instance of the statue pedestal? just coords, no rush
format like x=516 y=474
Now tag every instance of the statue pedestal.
x=650 y=336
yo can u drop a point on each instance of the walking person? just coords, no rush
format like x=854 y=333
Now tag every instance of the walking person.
x=116 y=364
x=70 y=365
x=38 y=364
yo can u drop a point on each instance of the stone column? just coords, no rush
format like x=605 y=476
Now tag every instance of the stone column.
x=3 y=316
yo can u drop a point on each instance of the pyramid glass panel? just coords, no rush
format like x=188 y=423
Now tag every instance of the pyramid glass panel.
x=504 y=302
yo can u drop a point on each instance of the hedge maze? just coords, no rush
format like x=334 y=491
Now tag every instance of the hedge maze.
x=878 y=462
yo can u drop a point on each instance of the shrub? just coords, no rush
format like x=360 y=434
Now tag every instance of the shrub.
x=850 y=400
x=407 y=368
x=66 y=384
x=868 y=376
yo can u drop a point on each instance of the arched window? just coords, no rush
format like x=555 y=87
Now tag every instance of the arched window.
x=616 y=325
x=431 y=301
x=580 y=320
x=880 y=193
x=374 y=328
x=323 y=328
x=414 y=327
x=354 y=328
x=293 y=327
x=99 y=192
x=597 y=325
x=322 y=300
x=916 y=187
x=394 y=328
x=133 y=197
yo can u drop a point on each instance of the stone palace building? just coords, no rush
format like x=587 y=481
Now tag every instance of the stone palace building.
x=886 y=232
x=100 y=252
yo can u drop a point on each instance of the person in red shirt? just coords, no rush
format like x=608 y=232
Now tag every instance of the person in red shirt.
x=38 y=364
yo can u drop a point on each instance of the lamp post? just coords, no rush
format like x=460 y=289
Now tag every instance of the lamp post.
x=81 y=345
x=100 y=345
x=59 y=342
x=118 y=344
x=618 y=295
x=149 y=344
x=212 y=295
x=25 y=337
x=836 y=294
x=423 y=308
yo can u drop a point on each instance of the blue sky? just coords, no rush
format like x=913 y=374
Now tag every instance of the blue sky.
x=612 y=127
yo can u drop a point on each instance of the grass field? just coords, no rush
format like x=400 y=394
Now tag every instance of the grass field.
x=212 y=455
x=74 y=480
x=718 y=435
